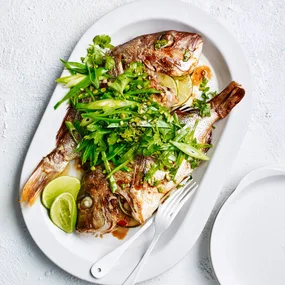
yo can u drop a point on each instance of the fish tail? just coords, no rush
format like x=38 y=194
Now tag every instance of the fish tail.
x=53 y=164
x=224 y=102
x=37 y=181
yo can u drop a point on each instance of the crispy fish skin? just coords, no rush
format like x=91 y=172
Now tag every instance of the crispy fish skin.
x=53 y=164
x=169 y=59
x=143 y=198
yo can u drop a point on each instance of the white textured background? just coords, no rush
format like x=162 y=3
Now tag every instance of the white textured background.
x=35 y=34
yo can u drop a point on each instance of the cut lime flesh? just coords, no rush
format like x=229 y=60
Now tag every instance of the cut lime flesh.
x=181 y=86
x=167 y=81
x=184 y=89
x=63 y=212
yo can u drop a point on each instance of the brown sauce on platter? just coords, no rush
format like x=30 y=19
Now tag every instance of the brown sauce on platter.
x=199 y=73
x=120 y=233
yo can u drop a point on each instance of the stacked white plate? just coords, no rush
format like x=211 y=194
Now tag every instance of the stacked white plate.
x=248 y=238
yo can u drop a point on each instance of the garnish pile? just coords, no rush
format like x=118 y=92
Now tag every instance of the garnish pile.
x=120 y=120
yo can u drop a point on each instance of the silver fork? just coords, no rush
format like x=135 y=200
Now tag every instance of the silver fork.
x=163 y=219
x=182 y=108
x=103 y=266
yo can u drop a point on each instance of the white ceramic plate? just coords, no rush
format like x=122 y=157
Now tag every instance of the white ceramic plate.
x=75 y=253
x=248 y=237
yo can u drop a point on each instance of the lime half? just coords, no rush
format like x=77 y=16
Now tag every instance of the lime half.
x=63 y=212
x=167 y=81
x=58 y=186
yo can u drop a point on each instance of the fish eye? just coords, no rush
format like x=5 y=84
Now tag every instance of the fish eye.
x=86 y=202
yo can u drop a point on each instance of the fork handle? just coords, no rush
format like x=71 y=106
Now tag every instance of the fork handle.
x=101 y=267
x=133 y=276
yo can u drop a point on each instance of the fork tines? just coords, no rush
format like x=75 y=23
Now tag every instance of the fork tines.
x=182 y=108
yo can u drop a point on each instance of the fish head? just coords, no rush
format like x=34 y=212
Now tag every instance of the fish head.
x=97 y=206
x=172 y=52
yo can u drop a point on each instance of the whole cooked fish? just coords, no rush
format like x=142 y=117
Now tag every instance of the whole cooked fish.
x=99 y=210
x=168 y=58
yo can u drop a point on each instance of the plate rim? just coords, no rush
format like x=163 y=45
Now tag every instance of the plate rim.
x=242 y=128
x=277 y=167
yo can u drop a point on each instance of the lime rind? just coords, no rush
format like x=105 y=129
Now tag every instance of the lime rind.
x=63 y=212
x=58 y=186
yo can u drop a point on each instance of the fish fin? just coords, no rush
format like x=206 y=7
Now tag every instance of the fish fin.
x=224 y=102
x=36 y=183
x=49 y=168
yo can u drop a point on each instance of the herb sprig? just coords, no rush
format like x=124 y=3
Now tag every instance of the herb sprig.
x=202 y=104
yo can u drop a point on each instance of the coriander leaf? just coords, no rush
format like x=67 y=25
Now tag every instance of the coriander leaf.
x=203 y=106
x=98 y=56
x=120 y=83
x=135 y=69
x=112 y=139
x=103 y=41
x=110 y=62
x=162 y=124
x=156 y=139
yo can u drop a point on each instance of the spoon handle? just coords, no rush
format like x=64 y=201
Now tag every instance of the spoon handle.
x=101 y=267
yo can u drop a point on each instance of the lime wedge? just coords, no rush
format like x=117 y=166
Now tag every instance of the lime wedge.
x=167 y=81
x=58 y=186
x=184 y=89
x=63 y=212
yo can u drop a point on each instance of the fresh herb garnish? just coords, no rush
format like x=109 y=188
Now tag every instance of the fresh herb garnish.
x=103 y=41
x=119 y=119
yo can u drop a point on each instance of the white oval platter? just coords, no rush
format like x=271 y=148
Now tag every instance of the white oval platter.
x=74 y=253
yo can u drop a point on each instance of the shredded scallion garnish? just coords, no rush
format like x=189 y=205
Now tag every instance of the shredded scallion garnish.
x=120 y=120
